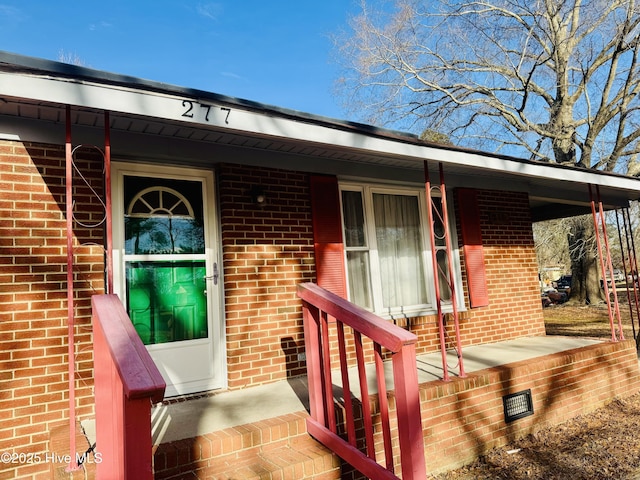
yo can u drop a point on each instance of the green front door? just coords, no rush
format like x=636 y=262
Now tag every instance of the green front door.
x=166 y=300
x=169 y=274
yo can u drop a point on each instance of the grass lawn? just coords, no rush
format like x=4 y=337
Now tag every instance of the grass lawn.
x=586 y=321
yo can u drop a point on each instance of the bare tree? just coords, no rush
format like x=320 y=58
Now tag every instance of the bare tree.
x=557 y=79
x=550 y=238
x=71 y=58
x=551 y=80
x=570 y=244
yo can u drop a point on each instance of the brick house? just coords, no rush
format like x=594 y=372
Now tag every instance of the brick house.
x=220 y=208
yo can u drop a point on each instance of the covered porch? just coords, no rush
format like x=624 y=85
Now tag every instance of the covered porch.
x=197 y=415
x=247 y=433
x=260 y=432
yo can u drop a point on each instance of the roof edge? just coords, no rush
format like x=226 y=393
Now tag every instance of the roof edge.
x=12 y=62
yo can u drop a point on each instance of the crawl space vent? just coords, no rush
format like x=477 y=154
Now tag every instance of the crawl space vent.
x=517 y=405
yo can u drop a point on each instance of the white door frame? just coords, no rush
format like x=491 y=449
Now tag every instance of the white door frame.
x=214 y=347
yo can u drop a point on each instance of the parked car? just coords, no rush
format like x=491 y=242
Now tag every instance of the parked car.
x=555 y=295
x=564 y=282
x=618 y=276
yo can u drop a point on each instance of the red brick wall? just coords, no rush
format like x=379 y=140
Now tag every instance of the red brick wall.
x=267 y=251
x=515 y=309
x=33 y=296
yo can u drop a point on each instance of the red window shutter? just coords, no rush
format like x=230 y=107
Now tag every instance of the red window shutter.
x=472 y=247
x=327 y=234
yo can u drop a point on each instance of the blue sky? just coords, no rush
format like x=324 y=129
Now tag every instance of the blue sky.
x=276 y=52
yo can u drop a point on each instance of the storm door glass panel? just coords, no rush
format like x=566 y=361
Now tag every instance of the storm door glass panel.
x=166 y=300
x=165 y=263
x=399 y=242
x=167 y=235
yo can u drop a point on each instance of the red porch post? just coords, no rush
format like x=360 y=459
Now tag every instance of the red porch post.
x=606 y=264
x=73 y=462
x=107 y=191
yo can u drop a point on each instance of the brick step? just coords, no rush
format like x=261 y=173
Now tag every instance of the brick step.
x=274 y=448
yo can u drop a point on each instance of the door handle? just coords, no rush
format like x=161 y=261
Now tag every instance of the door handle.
x=215 y=275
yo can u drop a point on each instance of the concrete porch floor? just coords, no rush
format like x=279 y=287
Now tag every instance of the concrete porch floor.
x=187 y=418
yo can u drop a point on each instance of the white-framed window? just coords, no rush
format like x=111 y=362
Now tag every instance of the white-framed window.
x=388 y=250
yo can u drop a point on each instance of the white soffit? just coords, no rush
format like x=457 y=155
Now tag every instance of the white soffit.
x=205 y=114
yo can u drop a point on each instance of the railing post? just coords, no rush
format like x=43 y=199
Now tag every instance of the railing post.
x=107 y=389
x=405 y=374
x=126 y=383
x=311 y=319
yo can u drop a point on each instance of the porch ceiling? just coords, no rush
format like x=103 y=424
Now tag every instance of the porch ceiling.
x=142 y=125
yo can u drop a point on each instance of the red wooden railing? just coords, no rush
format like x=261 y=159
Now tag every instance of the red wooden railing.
x=127 y=382
x=320 y=304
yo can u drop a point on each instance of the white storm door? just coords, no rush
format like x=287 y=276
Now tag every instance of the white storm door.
x=167 y=271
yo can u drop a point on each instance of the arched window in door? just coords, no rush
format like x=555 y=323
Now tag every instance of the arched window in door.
x=160 y=201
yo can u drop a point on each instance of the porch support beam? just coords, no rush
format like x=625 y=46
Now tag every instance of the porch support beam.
x=448 y=276
x=630 y=266
x=73 y=463
x=108 y=208
x=606 y=265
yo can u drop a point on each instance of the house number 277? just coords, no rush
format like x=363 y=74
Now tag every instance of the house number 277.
x=192 y=108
